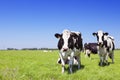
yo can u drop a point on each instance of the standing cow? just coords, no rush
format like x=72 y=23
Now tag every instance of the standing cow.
x=90 y=48
x=69 y=45
x=105 y=47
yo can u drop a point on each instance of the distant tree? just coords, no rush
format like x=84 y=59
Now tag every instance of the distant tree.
x=29 y=49
x=12 y=49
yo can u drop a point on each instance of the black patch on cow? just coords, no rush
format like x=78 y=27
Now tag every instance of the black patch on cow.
x=105 y=43
x=70 y=43
x=108 y=47
x=97 y=38
x=113 y=46
x=79 y=43
x=60 y=43
x=88 y=55
x=91 y=46
x=102 y=38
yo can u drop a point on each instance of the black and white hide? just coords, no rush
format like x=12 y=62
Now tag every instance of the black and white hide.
x=105 y=47
x=70 y=46
x=90 y=48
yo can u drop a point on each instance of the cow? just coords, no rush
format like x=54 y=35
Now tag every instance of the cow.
x=105 y=47
x=70 y=46
x=90 y=48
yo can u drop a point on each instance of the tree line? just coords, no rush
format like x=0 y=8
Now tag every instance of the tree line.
x=32 y=49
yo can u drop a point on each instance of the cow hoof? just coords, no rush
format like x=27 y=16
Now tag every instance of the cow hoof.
x=100 y=64
x=59 y=61
x=70 y=72
x=78 y=67
x=107 y=63
x=63 y=71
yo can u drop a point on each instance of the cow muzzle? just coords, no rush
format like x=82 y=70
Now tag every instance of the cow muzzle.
x=65 y=49
x=100 y=44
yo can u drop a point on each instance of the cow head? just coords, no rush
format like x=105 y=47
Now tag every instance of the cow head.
x=66 y=40
x=101 y=37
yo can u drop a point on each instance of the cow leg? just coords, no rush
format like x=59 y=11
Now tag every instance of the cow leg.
x=59 y=61
x=79 y=62
x=70 y=65
x=106 y=58
x=63 y=63
x=112 y=57
x=71 y=62
x=100 y=63
x=89 y=55
x=101 y=60
x=63 y=66
x=87 y=52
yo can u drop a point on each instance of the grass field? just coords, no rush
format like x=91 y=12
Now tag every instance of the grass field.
x=39 y=65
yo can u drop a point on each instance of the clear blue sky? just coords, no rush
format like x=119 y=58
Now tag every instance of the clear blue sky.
x=33 y=23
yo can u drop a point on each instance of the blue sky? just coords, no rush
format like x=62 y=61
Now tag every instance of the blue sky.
x=33 y=23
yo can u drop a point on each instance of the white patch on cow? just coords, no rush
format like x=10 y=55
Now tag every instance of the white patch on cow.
x=75 y=61
x=87 y=51
x=66 y=35
x=106 y=49
x=110 y=42
x=100 y=34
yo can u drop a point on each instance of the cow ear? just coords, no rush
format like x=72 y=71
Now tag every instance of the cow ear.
x=106 y=33
x=94 y=34
x=58 y=35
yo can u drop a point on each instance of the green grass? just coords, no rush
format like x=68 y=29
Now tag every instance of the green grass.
x=39 y=65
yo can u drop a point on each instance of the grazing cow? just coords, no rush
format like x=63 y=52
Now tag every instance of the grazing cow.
x=105 y=47
x=90 y=48
x=69 y=45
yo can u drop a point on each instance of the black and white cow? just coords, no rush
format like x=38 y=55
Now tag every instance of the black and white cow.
x=105 y=47
x=69 y=45
x=90 y=48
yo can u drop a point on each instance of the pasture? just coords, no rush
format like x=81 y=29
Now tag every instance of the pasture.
x=39 y=65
